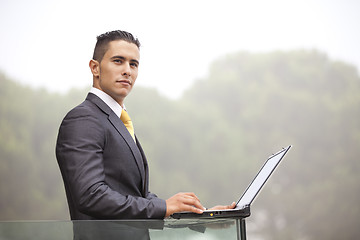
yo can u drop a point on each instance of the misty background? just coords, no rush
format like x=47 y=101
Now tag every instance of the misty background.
x=215 y=97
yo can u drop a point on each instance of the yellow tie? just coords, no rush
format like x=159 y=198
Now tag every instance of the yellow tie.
x=125 y=118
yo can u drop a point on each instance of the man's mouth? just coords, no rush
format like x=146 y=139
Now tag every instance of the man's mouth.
x=125 y=81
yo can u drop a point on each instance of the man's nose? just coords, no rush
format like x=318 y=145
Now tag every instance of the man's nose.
x=126 y=70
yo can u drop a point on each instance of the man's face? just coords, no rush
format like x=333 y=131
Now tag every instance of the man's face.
x=118 y=70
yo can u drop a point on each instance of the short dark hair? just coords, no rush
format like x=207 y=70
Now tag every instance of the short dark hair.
x=103 y=41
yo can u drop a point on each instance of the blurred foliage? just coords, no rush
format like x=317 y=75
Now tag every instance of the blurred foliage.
x=212 y=141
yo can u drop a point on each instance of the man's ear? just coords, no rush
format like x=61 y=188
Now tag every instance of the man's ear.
x=94 y=67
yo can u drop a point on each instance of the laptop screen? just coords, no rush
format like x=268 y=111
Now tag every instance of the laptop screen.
x=260 y=179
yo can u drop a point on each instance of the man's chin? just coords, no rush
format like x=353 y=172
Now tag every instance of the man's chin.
x=121 y=95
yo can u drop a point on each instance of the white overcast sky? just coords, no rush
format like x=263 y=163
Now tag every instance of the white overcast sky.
x=46 y=43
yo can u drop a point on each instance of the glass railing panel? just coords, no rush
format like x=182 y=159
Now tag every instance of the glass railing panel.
x=120 y=230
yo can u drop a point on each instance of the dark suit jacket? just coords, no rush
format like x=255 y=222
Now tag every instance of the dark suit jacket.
x=105 y=172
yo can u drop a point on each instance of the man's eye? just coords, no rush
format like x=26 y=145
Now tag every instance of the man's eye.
x=133 y=65
x=117 y=61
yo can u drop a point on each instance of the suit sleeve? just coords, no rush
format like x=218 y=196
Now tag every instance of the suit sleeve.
x=79 y=152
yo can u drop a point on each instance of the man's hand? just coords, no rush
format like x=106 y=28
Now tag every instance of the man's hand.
x=221 y=207
x=183 y=202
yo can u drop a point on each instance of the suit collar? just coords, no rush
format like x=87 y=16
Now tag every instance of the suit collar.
x=115 y=106
x=99 y=103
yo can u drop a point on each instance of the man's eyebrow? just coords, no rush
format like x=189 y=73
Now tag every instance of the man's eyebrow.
x=123 y=58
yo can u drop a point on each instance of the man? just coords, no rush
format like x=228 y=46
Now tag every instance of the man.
x=104 y=168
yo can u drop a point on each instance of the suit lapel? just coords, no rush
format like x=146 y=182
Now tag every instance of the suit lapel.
x=122 y=130
x=120 y=127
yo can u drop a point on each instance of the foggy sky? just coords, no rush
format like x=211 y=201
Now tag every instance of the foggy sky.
x=49 y=43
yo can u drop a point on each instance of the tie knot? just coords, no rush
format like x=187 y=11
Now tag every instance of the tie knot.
x=125 y=116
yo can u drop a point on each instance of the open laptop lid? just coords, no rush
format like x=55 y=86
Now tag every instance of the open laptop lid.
x=260 y=179
x=242 y=208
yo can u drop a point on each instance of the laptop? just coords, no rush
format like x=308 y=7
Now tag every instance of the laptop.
x=242 y=208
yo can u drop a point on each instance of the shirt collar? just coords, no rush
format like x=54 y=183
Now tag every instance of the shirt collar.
x=117 y=109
